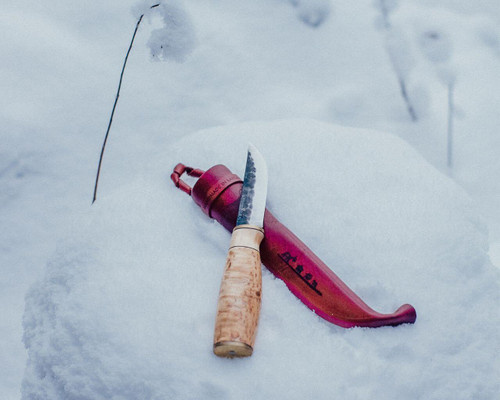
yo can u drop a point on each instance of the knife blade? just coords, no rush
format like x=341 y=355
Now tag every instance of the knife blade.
x=240 y=292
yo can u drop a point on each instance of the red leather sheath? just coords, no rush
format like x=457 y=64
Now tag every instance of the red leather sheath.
x=218 y=192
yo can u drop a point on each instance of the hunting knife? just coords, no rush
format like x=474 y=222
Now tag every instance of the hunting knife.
x=241 y=287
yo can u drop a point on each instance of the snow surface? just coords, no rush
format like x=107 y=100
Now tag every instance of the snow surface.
x=234 y=61
x=175 y=40
x=127 y=306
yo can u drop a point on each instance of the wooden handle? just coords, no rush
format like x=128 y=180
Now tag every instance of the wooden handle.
x=240 y=293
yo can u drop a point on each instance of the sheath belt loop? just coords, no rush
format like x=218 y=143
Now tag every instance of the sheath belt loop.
x=178 y=171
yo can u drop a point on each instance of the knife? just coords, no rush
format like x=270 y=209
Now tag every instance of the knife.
x=241 y=287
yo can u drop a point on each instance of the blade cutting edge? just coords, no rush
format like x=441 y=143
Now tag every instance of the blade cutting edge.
x=254 y=192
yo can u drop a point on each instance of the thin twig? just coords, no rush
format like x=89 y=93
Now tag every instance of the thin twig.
x=384 y=10
x=114 y=105
x=404 y=94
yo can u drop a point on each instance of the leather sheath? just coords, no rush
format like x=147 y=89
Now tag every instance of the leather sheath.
x=218 y=191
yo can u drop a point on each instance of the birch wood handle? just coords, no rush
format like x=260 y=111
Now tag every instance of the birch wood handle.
x=240 y=294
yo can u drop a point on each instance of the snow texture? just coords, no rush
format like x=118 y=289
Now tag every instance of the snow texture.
x=312 y=12
x=256 y=60
x=176 y=39
x=127 y=305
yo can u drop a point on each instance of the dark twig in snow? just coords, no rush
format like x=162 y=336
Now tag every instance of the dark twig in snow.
x=114 y=105
x=398 y=54
x=406 y=99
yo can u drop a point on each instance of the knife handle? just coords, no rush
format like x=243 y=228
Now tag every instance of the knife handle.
x=240 y=293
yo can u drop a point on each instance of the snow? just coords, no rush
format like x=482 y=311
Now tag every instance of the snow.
x=127 y=305
x=176 y=39
x=235 y=62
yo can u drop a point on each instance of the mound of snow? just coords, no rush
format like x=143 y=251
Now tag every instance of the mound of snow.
x=127 y=305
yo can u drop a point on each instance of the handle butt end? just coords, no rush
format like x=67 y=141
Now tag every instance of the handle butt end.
x=232 y=349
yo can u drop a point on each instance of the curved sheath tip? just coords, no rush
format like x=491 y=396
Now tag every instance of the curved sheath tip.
x=410 y=313
x=406 y=314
